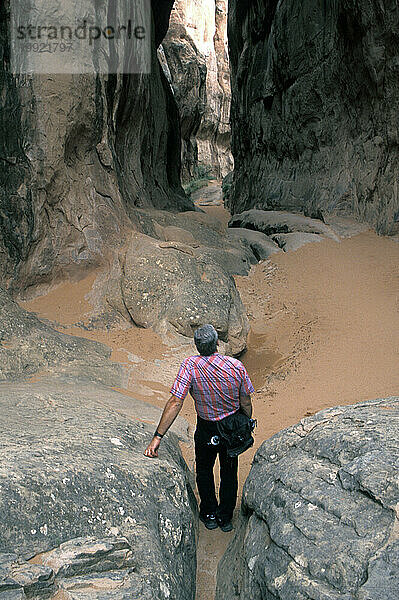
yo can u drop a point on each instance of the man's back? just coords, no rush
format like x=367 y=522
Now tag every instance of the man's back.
x=216 y=383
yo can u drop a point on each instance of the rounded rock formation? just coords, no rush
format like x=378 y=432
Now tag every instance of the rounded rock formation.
x=319 y=515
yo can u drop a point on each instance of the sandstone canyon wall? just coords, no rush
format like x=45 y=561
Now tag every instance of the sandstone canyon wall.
x=77 y=152
x=314 y=108
x=197 y=65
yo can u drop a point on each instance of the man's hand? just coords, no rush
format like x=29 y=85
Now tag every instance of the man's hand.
x=170 y=412
x=152 y=449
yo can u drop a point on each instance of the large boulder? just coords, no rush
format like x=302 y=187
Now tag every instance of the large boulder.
x=274 y=221
x=99 y=519
x=77 y=151
x=319 y=514
x=314 y=107
x=202 y=232
x=168 y=287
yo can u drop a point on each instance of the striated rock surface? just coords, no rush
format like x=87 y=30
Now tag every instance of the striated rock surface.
x=76 y=153
x=314 y=107
x=319 y=514
x=196 y=62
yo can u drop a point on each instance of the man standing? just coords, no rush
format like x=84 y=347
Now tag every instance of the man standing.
x=220 y=386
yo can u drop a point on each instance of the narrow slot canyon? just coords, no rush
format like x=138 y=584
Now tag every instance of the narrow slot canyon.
x=236 y=165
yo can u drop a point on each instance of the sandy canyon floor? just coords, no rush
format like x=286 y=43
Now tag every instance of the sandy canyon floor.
x=324 y=331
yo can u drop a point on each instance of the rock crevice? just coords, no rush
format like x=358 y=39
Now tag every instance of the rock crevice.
x=195 y=59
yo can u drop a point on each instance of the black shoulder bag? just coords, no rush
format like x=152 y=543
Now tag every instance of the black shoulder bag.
x=236 y=433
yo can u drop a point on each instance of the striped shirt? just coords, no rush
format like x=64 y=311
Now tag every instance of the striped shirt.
x=215 y=382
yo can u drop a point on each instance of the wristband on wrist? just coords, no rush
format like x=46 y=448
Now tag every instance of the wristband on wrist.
x=157 y=434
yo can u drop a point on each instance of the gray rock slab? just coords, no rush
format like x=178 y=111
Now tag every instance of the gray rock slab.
x=345 y=227
x=28 y=345
x=273 y=221
x=78 y=494
x=172 y=233
x=260 y=244
x=205 y=230
x=114 y=585
x=289 y=242
x=204 y=219
x=317 y=520
x=85 y=555
x=235 y=261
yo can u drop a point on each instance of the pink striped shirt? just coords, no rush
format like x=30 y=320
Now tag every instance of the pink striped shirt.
x=215 y=382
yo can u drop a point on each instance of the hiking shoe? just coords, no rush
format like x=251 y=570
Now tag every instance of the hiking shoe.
x=224 y=525
x=209 y=520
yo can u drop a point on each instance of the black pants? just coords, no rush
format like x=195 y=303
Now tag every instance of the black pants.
x=205 y=456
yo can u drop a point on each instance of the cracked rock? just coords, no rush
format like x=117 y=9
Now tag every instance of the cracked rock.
x=79 y=497
x=318 y=516
x=21 y=579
